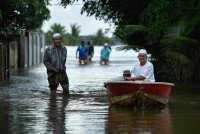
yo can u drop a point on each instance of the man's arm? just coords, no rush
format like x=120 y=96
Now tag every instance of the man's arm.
x=77 y=51
x=135 y=78
x=47 y=61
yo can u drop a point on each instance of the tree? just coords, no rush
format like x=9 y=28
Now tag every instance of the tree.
x=73 y=37
x=151 y=21
x=55 y=28
x=158 y=17
x=181 y=45
x=21 y=15
x=115 y=11
x=171 y=39
x=99 y=38
x=58 y=28
x=75 y=30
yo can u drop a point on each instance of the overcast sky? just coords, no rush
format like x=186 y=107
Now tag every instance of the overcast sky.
x=71 y=15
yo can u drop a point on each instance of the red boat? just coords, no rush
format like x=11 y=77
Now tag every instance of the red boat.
x=139 y=93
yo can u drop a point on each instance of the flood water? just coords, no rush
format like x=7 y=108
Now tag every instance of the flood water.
x=26 y=106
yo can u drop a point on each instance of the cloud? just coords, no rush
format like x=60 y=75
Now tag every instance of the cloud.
x=70 y=15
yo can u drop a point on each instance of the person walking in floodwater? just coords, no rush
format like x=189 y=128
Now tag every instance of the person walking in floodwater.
x=90 y=52
x=109 y=46
x=54 y=59
x=105 y=54
x=83 y=53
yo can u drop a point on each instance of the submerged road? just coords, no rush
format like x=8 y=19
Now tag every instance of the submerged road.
x=26 y=106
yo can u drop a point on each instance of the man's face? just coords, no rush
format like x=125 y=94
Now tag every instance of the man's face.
x=142 y=58
x=57 y=41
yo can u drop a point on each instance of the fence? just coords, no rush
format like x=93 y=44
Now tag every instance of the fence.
x=23 y=51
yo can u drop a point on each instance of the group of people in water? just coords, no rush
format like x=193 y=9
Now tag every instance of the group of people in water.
x=85 y=53
x=55 y=58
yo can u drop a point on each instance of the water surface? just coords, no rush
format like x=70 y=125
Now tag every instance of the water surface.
x=26 y=106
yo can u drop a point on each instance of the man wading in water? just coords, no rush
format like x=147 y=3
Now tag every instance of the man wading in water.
x=54 y=59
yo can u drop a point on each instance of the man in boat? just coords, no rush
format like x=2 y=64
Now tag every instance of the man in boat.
x=144 y=70
x=54 y=59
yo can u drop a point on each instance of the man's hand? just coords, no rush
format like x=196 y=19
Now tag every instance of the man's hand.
x=126 y=78
x=129 y=78
x=56 y=70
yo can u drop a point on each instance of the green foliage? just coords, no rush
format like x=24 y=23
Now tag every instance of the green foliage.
x=75 y=30
x=0 y=16
x=22 y=15
x=168 y=29
x=73 y=38
x=181 y=46
x=116 y=11
x=58 y=28
x=182 y=54
x=67 y=38
x=189 y=22
x=48 y=36
x=132 y=34
x=99 y=38
x=55 y=28
x=181 y=60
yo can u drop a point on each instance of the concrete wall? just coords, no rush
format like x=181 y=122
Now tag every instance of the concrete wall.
x=13 y=54
x=23 y=52
x=4 y=62
x=30 y=47
x=28 y=51
x=42 y=46
x=1 y=62
x=34 y=50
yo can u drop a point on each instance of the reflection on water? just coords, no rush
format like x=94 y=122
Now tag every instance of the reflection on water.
x=138 y=121
x=4 y=123
x=57 y=115
x=26 y=106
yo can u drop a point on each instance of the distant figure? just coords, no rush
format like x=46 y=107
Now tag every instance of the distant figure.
x=143 y=70
x=109 y=46
x=105 y=53
x=90 y=52
x=83 y=52
x=54 y=59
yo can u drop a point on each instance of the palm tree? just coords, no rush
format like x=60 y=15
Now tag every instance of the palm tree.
x=181 y=47
x=75 y=30
x=99 y=38
x=55 y=28
x=73 y=38
x=58 y=28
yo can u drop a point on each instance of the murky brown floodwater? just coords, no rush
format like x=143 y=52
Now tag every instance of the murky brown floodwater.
x=27 y=108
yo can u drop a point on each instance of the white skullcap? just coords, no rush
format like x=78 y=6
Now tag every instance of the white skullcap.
x=106 y=44
x=56 y=35
x=142 y=51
